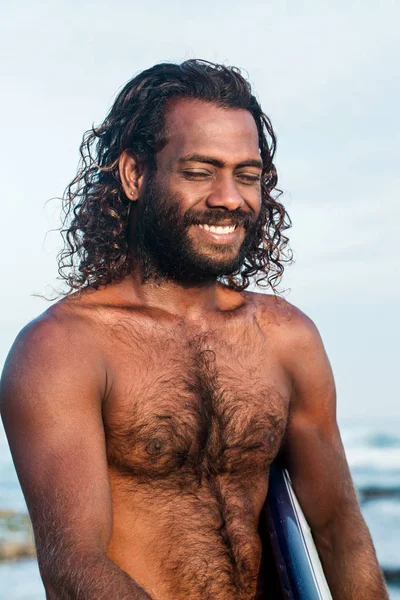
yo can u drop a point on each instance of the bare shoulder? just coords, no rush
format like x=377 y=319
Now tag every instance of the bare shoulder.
x=272 y=311
x=295 y=339
x=52 y=348
x=302 y=354
x=59 y=327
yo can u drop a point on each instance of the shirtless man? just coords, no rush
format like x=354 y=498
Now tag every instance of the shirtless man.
x=144 y=409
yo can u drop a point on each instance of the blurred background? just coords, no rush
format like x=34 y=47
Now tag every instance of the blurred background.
x=327 y=75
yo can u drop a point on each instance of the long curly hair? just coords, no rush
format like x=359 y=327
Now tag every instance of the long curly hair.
x=95 y=220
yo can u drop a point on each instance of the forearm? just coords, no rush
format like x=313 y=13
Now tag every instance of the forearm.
x=349 y=561
x=89 y=578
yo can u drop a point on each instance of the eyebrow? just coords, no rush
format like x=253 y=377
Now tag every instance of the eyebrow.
x=210 y=160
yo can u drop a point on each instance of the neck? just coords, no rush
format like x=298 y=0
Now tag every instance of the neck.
x=186 y=299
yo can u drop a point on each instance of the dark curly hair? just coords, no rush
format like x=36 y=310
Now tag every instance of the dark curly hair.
x=95 y=209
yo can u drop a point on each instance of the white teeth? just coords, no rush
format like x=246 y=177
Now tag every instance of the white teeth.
x=219 y=229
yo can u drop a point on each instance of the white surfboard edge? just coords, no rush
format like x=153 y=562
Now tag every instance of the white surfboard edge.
x=313 y=557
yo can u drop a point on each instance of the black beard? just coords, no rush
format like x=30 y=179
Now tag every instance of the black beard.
x=165 y=250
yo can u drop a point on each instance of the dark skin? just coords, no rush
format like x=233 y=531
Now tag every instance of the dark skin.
x=143 y=418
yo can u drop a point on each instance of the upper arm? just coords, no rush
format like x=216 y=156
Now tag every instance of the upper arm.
x=313 y=451
x=50 y=394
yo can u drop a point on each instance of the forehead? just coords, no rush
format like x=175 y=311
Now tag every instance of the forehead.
x=201 y=127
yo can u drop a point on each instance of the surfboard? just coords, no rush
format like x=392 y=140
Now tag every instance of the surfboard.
x=297 y=563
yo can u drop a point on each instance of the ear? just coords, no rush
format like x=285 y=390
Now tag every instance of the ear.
x=131 y=174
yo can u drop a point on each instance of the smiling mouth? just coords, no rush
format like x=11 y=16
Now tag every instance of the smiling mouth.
x=220 y=229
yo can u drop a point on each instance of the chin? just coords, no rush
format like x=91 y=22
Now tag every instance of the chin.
x=219 y=261
x=216 y=268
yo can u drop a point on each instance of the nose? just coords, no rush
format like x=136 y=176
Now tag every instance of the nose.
x=225 y=194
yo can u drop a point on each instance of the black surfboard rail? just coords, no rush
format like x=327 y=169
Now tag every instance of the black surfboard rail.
x=294 y=565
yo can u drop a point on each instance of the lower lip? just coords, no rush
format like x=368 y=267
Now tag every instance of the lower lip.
x=221 y=238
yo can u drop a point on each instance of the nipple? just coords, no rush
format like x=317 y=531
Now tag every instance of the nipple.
x=154 y=446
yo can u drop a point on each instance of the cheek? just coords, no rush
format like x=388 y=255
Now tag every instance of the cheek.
x=255 y=201
x=170 y=194
x=186 y=197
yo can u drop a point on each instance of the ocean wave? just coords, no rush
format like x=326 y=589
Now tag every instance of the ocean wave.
x=381 y=459
x=383 y=520
x=371 y=435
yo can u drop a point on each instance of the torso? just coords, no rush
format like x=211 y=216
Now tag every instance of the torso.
x=193 y=418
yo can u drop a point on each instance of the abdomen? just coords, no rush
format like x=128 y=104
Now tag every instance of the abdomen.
x=201 y=543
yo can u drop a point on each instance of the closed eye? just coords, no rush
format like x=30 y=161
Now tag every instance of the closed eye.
x=196 y=174
x=249 y=179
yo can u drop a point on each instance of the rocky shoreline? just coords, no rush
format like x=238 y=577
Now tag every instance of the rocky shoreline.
x=367 y=494
x=16 y=537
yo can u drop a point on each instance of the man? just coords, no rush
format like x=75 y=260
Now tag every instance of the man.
x=145 y=408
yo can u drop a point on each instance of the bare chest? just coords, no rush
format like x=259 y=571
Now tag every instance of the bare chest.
x=187 y=406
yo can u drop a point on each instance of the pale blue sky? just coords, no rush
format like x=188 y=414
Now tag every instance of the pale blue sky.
x=327 y=75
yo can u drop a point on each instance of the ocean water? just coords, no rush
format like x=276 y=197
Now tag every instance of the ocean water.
x=373 y=452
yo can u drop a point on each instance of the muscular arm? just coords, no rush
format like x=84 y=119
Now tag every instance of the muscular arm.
x=51 y=392
x=315 y=458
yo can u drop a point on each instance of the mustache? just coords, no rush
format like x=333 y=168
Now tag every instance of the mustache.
x=217 y=216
